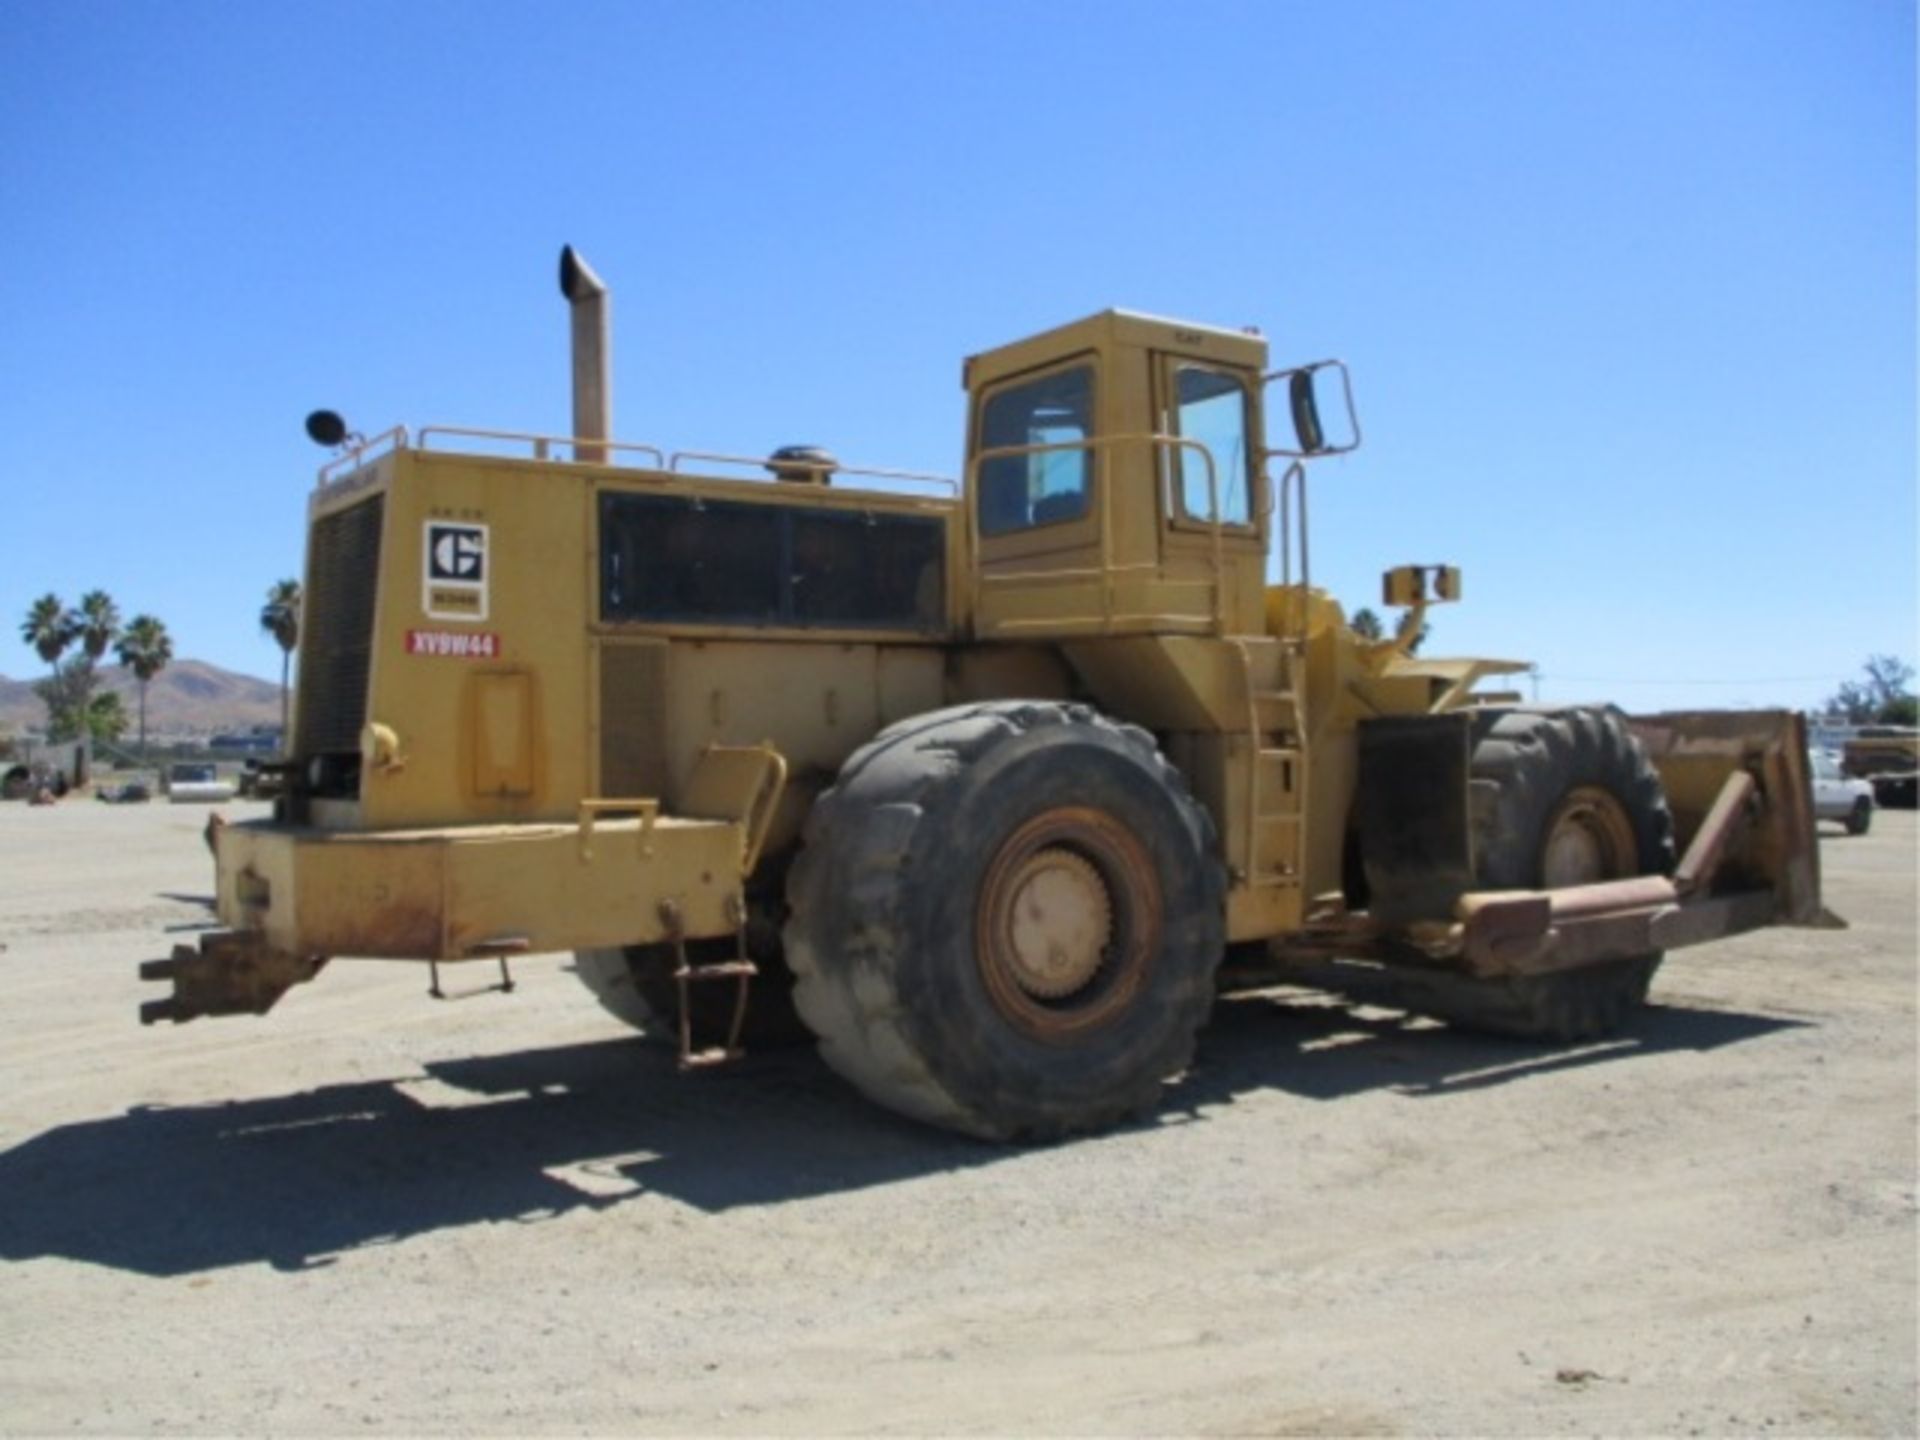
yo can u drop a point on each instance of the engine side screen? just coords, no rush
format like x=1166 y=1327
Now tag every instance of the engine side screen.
x=678 y=559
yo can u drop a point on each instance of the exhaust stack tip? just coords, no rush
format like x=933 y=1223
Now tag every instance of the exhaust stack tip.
x=577 y=280
x=592 y=366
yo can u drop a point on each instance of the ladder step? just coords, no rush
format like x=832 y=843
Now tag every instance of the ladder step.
x=711 y=1056
x=1278 y=774
x=719 y=970
x=1276 y=843
x=1275 y=710
x=1266 y=662
x=1275 y=829
x=741 y=971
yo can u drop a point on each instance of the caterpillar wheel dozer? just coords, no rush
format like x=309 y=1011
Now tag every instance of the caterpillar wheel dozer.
x=977 y=781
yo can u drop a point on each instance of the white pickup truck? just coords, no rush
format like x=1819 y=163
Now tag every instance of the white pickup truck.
x=196 y=782
x=1838 y=795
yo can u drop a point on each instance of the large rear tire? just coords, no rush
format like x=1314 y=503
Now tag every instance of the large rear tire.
x=610 y=976
x=1561 y=797
x=1005 y=920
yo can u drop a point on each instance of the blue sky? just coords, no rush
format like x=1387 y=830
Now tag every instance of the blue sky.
x=1628 y=288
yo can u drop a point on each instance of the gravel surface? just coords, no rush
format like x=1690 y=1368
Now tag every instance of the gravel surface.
x=372 y=1212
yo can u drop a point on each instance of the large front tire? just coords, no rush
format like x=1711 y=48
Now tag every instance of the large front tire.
x=1562 y=797
x=1005 y=920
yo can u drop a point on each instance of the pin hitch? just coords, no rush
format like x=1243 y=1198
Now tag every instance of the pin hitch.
x=230 y=972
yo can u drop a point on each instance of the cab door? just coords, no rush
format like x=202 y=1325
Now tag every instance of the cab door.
x=1213 y=514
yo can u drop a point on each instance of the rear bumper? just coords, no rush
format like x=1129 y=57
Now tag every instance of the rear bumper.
x=478 y=891
x=294 y=898
x=622 y=874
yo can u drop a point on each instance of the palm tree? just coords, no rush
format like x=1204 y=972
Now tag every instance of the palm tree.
x=49 y=628
x=144 y=648
x=99 y=623
x=280 y=618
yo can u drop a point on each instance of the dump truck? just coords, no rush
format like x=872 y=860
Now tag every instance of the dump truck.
x=990 y=785
x=1888 y=758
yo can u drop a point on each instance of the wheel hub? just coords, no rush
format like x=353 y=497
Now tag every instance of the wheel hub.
x=1067 y=923
x=1059 y=924
x=1589 y=839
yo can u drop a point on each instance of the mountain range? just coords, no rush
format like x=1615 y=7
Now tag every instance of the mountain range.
x=189 y=697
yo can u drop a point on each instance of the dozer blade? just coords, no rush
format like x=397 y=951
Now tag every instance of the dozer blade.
x=1771 y=845
x=1742 y=802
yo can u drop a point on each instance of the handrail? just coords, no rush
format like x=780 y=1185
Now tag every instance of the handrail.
x=825 y=467
x=357 y=456
x=1293 y=480
x=542 y=443
x=766 y=801
x=1253 y=761
x=1106 y=570
x=647 y=809
x=542 y=446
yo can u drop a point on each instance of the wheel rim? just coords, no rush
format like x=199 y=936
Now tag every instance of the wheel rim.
x=1067 y=923
x=1588 y=839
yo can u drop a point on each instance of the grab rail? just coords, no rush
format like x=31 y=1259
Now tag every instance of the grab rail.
x=542 y=447
x=823 y=467
x=1293 y=483
x=542 y=444
x=647 y=809
x=356 y=456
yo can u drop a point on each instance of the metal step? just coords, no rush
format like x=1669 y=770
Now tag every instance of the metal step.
x=1276 y=779
x=741 y=971
x=1276 y=821
x=1276 y=712
x=1276 y=836
x=719 y=970
x=1266 y=661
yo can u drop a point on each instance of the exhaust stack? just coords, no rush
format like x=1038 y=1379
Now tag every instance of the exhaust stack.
x=592 y=357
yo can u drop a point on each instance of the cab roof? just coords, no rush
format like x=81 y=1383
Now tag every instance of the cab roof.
x=1117 y=329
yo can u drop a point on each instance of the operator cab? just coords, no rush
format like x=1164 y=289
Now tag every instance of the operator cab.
x=1116 y=480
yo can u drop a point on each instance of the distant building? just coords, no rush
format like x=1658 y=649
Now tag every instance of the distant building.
x=260 y=740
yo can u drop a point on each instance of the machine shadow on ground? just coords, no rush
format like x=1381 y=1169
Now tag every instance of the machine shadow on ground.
x=293 y=1180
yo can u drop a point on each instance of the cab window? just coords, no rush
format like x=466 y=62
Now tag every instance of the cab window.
x=1023 y=492
x=1210 y=407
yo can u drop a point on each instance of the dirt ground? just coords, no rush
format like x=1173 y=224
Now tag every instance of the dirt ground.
x=372 y=1212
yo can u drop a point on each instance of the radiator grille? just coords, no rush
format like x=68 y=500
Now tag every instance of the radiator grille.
x=336 y=628
x=633 y=719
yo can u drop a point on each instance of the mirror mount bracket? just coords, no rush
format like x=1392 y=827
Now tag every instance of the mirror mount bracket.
x=1303 y=405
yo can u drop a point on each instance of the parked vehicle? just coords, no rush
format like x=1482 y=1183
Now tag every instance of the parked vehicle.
x=260 y=781
x=1888 y=757
x=191 y=782
x=1840 y=796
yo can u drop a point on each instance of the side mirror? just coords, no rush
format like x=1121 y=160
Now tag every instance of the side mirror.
x=1306 y=412
x=1406 y=585
x=1320 y=405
